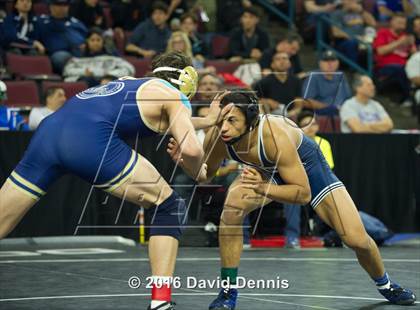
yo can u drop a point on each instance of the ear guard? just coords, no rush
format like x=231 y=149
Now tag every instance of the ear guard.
x=252 y=111
x=187 y=79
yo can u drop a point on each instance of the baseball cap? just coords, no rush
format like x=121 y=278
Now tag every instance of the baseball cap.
x=328 y=55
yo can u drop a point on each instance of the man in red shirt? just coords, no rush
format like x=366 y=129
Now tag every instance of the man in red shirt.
x=393 y=47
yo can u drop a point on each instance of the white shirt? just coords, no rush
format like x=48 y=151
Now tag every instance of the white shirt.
x=37 y=115
x=412 y=68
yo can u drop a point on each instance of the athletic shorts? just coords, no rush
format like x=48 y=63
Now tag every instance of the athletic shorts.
x=322 y=179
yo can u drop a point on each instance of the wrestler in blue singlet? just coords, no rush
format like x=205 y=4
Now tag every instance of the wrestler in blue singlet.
x=321 y=179
x=85 y=137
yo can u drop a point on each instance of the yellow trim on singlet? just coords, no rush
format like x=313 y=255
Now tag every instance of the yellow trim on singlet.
x=27 y=183
x=116 y=185
x=123 y=171
x=22 y=190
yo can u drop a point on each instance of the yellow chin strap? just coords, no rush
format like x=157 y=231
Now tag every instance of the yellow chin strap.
x=187 y=80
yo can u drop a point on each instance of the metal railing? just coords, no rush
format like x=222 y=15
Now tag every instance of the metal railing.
x=321 y=44
x=289 y=18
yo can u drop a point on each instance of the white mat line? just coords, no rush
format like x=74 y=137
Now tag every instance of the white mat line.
x=96 y=296
x=196 y=293
x=201 y=259
x=244 y=296
x=284 y=303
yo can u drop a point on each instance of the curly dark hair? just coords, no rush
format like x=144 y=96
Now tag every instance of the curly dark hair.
x=170 y=59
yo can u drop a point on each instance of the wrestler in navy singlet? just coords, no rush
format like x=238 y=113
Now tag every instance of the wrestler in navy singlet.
x=85 y=137
x=321 y=179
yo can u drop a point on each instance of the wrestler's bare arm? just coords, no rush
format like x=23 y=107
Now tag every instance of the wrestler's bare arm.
x=282 y=150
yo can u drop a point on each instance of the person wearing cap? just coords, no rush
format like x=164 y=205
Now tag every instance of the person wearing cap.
x=326 y=89
x=10 y=119
x=151 y=36
x=21 y=30
x=248 y=40
x=352 y=19
x=362 y=114
x=61 y=34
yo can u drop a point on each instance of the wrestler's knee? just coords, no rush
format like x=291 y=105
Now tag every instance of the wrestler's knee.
x=232 y=216
x=359 y=241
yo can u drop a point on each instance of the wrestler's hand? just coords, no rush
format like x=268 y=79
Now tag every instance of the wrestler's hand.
x=252 y=179
x=174 y=150
x=202 y=176
x=215 y=113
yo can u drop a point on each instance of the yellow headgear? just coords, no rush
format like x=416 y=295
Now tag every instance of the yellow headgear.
x=187 y=80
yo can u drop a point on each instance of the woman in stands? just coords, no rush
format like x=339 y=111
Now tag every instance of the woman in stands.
x=20 y=30
x=97 y=61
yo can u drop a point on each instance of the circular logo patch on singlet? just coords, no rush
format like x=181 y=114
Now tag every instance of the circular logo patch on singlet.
x=101 y=91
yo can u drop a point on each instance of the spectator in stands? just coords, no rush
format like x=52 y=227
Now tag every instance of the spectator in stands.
x=127 y=14
x=353 y=20
x=176 y=8
x=54 y=99
x=416 y=31
x=388 y=8
x=412 y=68
x=280 y=90
x=20 y=30
x=61 y=34
x=209 y=85
x=89 y=12
x=96 y=63
x=393 y=47
x=206 y=13
x=289 y=44
x=10 y=119
x=249 y=40
x=179 y=42
x=315 y=9
x=2 y=10
x=198 y=45
x=229 y=13
x=307 y=121
x=151 y=36
x=326 y=89
x=95 y=44
x=417 y=5
x=362 y=114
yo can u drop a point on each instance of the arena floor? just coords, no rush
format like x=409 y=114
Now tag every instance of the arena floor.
x=34 y=276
